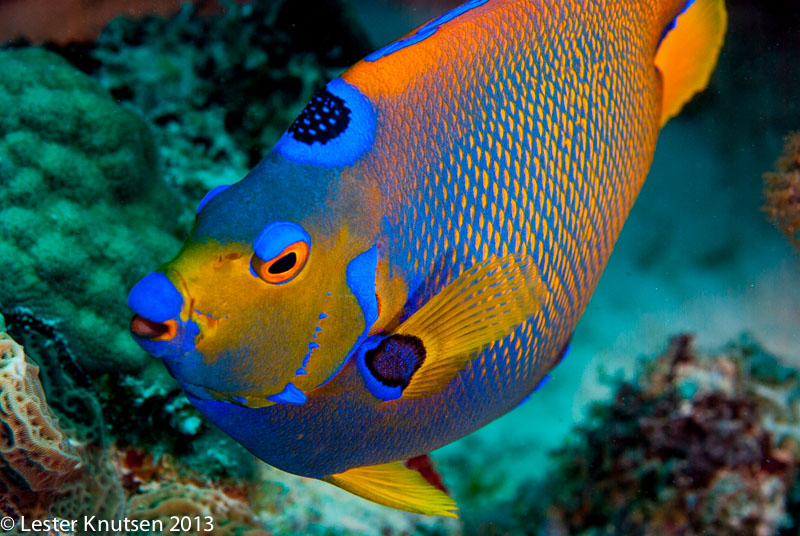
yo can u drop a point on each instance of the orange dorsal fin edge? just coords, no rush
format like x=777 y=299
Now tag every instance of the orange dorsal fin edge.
x=688 y=53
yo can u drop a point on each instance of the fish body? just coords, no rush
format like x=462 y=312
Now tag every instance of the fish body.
x=500 y=148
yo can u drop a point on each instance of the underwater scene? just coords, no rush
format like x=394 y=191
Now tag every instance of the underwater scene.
x=374 y=267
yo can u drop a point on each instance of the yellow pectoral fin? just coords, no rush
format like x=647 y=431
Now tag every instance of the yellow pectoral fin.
x=688 y=54
x=396 y=486
x=481 y=306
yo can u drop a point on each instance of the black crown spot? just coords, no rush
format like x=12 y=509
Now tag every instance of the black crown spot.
x=324 y=118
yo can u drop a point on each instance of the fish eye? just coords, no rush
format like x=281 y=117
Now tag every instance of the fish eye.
x=280 y=252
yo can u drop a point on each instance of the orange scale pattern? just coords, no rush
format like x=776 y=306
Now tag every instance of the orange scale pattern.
x=518 y=126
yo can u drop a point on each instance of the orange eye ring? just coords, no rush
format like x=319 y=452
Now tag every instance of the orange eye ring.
x=284 y=266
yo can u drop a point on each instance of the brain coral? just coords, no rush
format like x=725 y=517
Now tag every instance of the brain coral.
x=36 y=459
x=84 y=212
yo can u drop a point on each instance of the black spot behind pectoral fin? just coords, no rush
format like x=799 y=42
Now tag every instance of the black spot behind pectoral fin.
x=389 y=363
x=395 y=360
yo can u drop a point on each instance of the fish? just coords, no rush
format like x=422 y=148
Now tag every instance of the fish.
x=410 y=259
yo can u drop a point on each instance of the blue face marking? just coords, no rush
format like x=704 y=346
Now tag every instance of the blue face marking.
x=290 y=395
x=313 y=345
x=276 y=237
x=335 y=129
x=210 y=195
x=361 y=273
x=424 y=32
x=155 y=298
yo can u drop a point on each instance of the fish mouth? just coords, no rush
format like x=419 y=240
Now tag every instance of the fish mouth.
x=160 y=324
x=153 y=331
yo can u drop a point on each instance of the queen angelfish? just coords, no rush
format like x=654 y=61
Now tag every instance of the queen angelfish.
x=411 y=258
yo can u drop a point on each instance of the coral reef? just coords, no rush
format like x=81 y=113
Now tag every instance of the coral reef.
x=36 y=458
x=95 y=491
x=45 y=472
x=166 y=424
x=70 y=394
x=697 y=445
x=84 y=211
x=782 y=191
x=210 y=511
x=218 y=91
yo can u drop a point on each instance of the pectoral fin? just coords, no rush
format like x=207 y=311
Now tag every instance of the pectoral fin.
x=397 y=486
x=481 y=306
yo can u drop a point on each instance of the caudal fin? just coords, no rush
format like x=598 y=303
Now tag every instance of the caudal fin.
x=688 y=53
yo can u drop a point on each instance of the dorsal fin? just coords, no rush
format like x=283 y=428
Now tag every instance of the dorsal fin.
x=397 y=486
x=688 y=53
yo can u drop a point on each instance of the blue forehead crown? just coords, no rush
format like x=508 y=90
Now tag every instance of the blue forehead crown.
x=215 y=191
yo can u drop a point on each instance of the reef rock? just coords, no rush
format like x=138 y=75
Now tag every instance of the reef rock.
x=782 y=190
x=696 y=445
x=220 y=90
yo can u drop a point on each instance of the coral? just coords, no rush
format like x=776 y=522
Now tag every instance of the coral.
x=216 y=513
x=96 y=491
x=36 y=458
x=84 y=210
x=685 y=450
x=149 y=412
x=782 y=190
x=218 y=91
x=70 y=394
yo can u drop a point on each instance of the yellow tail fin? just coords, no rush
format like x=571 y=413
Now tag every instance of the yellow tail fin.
x=688 y=54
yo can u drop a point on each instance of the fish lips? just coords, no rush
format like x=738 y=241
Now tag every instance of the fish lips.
x=182 y=343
